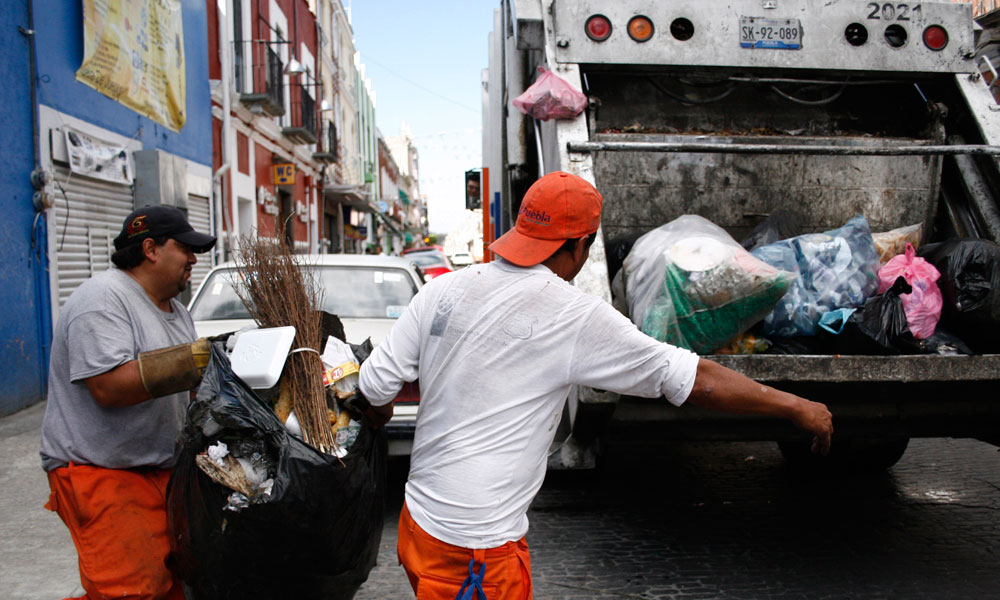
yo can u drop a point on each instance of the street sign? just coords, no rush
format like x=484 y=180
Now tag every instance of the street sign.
x=284 y=174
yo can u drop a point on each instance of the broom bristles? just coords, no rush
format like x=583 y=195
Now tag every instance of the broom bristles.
x=278 y=292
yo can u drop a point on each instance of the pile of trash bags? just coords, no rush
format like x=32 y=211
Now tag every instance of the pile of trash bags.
x=843 y=291
x=255 y=512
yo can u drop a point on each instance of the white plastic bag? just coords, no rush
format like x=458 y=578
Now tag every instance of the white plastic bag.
x=690 y=284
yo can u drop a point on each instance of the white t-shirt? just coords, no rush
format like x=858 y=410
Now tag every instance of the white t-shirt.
x=496 y=348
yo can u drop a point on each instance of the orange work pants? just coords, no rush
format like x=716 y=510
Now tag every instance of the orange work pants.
x=118 y=520
x=437 y=569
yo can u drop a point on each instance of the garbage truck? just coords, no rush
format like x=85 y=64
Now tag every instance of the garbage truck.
x=736 y=109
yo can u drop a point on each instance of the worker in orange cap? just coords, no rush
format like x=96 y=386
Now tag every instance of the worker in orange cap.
x=496 y=348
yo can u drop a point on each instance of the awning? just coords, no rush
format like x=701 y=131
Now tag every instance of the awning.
x=349 y=195
x=395 y=227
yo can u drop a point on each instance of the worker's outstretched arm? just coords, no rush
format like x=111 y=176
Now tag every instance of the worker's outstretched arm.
x=719 y=388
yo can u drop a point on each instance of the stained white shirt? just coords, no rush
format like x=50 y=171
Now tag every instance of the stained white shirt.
x=496 y=348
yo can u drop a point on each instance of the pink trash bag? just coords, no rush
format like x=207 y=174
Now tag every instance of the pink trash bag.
x=550 y=97
x=923 y=305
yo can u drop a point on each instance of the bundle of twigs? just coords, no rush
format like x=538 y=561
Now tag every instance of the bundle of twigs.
x=278 y=292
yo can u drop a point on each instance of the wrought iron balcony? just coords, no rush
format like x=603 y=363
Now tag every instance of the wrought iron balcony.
x=266 y=88
x=302 y=129
x=328 y=152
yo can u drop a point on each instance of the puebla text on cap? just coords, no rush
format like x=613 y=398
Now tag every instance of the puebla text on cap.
x=155 y=221
x=558 y=207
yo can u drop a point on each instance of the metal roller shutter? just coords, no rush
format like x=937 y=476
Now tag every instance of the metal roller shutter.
x=88 y=216
x=199 y=215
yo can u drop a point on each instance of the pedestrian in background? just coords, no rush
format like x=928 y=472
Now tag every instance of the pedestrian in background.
x=496 y=348
x=121 y=369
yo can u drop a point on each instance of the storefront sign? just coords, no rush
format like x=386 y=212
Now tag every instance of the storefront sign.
x=284 y=174
x=133 y=52
x=356 y=232
x=95 y=158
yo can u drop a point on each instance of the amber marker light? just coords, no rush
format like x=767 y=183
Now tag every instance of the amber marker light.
x=598 y=28
x=640 y=28
x=935 y=37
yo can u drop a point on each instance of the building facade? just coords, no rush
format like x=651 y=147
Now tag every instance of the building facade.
x=90 y=137
x=269 y=147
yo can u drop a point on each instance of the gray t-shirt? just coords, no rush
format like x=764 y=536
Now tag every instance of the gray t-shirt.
x=105 y=323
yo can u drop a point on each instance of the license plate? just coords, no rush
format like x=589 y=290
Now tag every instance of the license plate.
x=773 y=34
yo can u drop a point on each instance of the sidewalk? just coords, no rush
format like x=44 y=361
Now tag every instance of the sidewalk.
x=37 y=557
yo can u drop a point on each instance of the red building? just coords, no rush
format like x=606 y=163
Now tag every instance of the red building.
x=269 y=143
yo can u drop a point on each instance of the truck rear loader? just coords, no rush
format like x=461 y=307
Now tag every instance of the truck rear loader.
x=736 y=109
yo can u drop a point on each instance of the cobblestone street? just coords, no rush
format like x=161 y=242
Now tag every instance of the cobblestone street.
x=729 y=521
x=680 y=521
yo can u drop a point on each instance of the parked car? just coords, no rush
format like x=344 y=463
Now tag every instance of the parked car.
x=431 y=261
x=462 y=259
x=367 y=292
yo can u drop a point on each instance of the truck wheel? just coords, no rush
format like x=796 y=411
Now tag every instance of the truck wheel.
x=845 y=454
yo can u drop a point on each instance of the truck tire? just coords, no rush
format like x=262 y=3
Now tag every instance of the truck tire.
x=852 y=455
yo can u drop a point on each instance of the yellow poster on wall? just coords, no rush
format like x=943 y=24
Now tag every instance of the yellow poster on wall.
x=133 y=52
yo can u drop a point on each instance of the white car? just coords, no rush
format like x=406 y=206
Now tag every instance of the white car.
x=462 y=259
x=367 y=292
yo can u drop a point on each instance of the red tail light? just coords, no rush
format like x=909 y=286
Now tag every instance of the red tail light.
x=410 y=394
x=935 y=37
x=598 y=28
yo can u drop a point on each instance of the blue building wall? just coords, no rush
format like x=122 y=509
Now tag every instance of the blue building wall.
x=24 y=296
x=60 y=54
x=25 y=327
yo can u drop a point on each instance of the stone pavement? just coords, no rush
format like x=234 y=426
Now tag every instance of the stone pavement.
x=659 y=521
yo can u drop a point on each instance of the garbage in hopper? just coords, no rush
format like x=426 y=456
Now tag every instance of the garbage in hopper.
x=690 y=284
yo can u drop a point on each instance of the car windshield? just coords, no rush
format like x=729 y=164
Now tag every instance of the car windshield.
x=427 y=259
x=348 y=292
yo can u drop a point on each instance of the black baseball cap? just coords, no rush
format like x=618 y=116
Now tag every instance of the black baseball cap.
x=154 y=221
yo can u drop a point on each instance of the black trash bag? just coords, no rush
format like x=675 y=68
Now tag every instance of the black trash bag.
x=970 y=286
x=779 y=225
x=944 y=342
x=315 y=536
x=879 y=326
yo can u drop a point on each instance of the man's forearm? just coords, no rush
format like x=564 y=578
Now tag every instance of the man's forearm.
x=121 y=386
x=719 y=388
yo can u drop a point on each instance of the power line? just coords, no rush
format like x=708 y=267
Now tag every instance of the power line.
x=415 y=84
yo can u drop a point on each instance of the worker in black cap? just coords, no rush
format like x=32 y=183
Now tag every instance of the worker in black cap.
x=124 y=360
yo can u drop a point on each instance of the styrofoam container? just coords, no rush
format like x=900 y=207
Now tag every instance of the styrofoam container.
x=260 y=354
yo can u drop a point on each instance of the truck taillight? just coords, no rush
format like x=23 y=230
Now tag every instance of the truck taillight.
x=598 y=28
x=935 y=37
x=640 y=28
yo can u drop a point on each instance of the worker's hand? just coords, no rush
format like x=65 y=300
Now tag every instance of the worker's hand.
x=375 y=416
x=815 y=418
x=174 y=369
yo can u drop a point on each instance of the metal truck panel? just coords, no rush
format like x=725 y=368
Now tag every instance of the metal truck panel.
x=716 y=39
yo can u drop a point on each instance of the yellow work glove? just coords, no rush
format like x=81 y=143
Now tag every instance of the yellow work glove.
x=175 y=369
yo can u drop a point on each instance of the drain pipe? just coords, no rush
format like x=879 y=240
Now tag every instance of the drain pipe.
x=42 y=202
x=220 y=230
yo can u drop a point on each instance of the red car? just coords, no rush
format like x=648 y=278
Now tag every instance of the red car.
x=431 y=260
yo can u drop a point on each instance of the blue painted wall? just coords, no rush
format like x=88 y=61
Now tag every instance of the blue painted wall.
x=60 y=53
x=25 y=328
x=24 y=295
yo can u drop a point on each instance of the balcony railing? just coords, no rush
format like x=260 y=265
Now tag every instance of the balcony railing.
x=266 y=89
x=328 y=153
x=302 y=129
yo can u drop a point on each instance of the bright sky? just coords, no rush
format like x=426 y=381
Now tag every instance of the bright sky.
x=425 y=60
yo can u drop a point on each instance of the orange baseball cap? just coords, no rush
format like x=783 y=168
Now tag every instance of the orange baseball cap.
x=558 y=207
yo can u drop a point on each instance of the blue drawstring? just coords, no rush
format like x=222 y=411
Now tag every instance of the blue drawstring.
x=473 y=584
